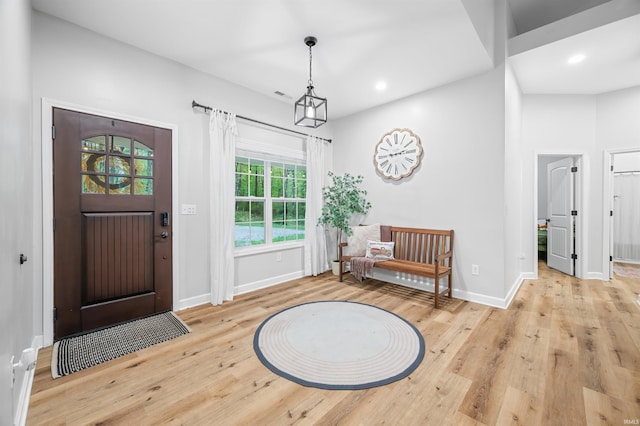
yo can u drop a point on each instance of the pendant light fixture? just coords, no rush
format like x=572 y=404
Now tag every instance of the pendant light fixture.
x=310 y=109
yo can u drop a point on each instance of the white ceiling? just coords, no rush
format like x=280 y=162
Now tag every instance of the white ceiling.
x=612 y=61
x=412 y=45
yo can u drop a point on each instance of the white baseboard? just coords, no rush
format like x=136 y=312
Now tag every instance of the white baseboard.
x=241 y=289
x=595 y=276
x=191 y=302
x=426 y=284
x=22 y=405
x=257 y=285
x=631 y=261
x=514 y=289
x=482 y=299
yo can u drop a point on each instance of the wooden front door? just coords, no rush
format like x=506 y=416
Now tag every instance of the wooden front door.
x=112 y=221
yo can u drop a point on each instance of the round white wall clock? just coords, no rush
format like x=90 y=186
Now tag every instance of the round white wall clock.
x=398 y=154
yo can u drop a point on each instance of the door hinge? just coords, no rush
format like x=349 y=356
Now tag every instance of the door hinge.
x=54 y=224
x=53 y=132
x=574 y=212
x=574 y=256
x=610 y=212
x=55 y=314
x=612 y=167
x=610 y=258
x=574 y=169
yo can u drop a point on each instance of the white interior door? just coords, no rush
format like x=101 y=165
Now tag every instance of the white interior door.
x=559 y=218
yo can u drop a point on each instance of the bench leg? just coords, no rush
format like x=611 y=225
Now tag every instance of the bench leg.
x=436 y=282
x=450 y=285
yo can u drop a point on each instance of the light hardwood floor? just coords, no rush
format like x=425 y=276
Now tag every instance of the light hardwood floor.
x=565 y=353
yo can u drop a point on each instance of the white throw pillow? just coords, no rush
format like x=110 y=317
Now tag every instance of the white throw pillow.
x=380 y=251
x=358 y=239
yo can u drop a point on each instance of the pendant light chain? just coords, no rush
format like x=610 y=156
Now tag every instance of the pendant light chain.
x=310 y=61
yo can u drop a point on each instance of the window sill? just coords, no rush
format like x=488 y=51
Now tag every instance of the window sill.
x=249 y=251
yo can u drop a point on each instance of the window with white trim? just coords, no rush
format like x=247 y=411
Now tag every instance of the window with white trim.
x=270 y=201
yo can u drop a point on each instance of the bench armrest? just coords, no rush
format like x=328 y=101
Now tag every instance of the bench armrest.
x=443 y=256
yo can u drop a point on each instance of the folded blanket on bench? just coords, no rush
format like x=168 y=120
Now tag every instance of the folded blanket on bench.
x=361 y=267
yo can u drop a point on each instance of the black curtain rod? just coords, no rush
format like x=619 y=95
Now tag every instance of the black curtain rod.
x=194 y=104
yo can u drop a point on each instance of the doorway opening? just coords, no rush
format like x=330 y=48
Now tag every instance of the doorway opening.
x=623 y=173
x=559 y=214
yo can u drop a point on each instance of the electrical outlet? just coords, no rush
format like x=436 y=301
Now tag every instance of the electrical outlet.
x=188 y=209
x=475 y=270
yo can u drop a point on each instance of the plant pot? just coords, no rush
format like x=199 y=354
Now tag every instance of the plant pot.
x=335 y=267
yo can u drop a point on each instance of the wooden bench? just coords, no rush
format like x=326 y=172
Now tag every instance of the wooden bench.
x=423 y=252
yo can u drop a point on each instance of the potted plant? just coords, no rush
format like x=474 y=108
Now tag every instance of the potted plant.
x=342 y=199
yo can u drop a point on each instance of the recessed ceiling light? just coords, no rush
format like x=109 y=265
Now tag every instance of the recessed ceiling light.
x=576 y=59
x=381 y=85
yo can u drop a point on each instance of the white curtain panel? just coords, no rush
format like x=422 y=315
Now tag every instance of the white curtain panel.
x=222 y=135
x=626 y=222
x=315 y=246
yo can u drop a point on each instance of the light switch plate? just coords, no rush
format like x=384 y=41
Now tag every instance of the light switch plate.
x=188 y=209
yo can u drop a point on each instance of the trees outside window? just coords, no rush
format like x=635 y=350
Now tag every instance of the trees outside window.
x=270 y=202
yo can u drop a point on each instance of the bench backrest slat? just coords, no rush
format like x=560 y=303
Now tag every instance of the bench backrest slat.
x=421 y=245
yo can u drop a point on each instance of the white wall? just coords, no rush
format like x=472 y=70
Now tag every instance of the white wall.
x=513 y=181
x=460 y=184
x=16 y=195
x=564 y=125
x=74 y=65
x=618 y=130
x=618 y=126
x=588 y=125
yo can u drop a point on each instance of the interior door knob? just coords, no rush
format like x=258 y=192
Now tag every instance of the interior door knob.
x=164 y=234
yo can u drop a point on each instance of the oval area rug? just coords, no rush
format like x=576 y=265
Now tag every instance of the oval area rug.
x=339 y=345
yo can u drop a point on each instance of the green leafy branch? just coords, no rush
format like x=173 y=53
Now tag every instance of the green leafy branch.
x=342 y=199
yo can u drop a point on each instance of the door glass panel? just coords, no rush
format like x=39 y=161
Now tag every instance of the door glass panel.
x=120 y=145
x=143 y=167
x=119 y=165
x=143 y=186
x=115 y=167
x=119 y=185
x=142 y=150
x=93 y=162
x=92 y=184
x=95 y=143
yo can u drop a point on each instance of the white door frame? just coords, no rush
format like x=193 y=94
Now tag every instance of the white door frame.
x=47 y=200
x=607 y=205
x=580 y=195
